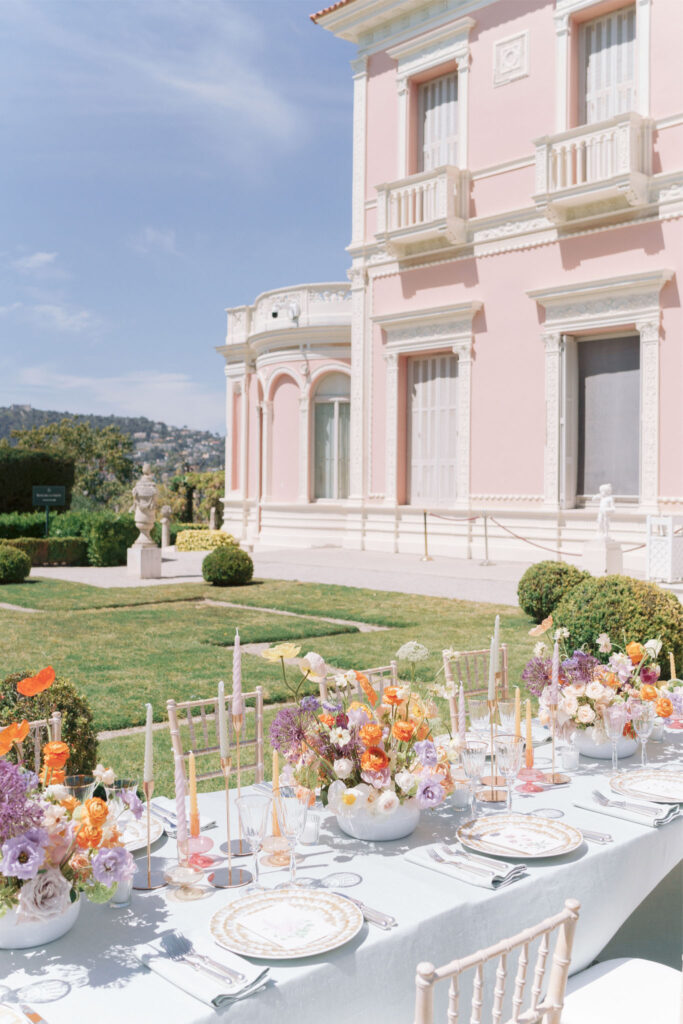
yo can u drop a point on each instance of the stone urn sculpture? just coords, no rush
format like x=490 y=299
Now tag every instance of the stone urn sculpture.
x=144 y=557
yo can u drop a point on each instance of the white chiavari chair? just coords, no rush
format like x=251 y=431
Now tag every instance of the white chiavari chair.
x=541 y=1009
x=52 y=727
x=471 y=668
x=379 y=678
x=200 y=720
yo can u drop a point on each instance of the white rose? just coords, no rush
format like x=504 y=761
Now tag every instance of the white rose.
x=578 y=689
x=604 y=643
x=569 y=704
x=314 y=665
x=594 y=690
x=47 y=895
x=343 y=767
x=405 y=781
x=585 y=714
x=539 y=649
x=653 y=647
x=387 y=802
x=56 y=791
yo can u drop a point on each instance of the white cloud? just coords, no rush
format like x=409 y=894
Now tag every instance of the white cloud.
x=53 y=316
x=12 y=308
x=151 y=240
x=36 y=261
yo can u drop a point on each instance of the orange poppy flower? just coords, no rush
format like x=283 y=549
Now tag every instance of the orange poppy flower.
x=403 y=731
x=327 y=720
x=664 y=707
x=88 y=837
x=391 y=696
x=371 y=734
x=374 y=760
x=70 y=803
x=97 y=811
x=636 y=652
x=648 y=692
x=32 y=685
x=16 y=732
x=52 y=776
x=55 y=754
x=367 y=689
x=542 y=628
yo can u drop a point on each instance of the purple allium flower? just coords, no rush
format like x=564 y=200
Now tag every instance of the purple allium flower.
x=310 y=704
x=426 y=752
x=331 y=708
x=18 y=811
x=113 y=865
x=288 y=729
x=133 y=802
x=579 y=668
x=23 y=856
x=650 y=674
x=537 y=675
x=429 y=793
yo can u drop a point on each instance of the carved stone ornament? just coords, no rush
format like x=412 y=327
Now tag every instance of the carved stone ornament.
x=144 y=507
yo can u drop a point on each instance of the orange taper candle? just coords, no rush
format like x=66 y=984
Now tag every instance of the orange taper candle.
x=194 y=810
x=529 y=755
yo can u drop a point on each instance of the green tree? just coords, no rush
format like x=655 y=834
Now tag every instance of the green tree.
x=103 y=458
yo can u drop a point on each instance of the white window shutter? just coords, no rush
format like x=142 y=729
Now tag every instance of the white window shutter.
x=608 y=65
x=438 y=123
x=432 y=434
x=569 y=432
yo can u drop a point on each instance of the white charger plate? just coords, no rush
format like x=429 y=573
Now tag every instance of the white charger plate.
x=662 y=785
x=285 y=924
x=135 y=833
x=523 y=836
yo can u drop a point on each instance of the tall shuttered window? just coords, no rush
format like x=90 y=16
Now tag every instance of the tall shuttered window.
x=607 y=55
x=438 y=123
x=331 y=437
x=432 y=432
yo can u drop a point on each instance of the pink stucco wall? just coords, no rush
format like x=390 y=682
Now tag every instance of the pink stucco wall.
x=284 y=477
x=382 y=111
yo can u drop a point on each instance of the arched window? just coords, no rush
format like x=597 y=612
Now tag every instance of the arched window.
x=331 y=437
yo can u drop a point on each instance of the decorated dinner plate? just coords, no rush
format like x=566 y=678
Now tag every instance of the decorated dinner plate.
x=135 y=833
x=524 y=836
x=286 y=924
x=10 y=1015
x=663 y=785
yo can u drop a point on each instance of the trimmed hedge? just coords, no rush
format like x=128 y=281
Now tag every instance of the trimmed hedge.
x=228 y=567
x=203 y=540
x=626 y=609
x=52 y=550
x=23 y=524
x=14 y=565
x=21 y=470
x=107 y=535
x=543 y=586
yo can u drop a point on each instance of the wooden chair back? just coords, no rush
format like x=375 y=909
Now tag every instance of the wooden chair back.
x=383 y=675
x=52 y=727
x=471 y=668
x=545 y=1009
x=201 y=719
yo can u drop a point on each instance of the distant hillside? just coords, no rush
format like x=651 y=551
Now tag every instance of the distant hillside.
x=166 y=448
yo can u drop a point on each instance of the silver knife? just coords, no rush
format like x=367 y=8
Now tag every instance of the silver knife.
x=384 y=921
x=596 y=837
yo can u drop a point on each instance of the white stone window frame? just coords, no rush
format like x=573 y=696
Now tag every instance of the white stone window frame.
x=604 y=307
x=445 y=47
x=565 y=11
x=430 y=330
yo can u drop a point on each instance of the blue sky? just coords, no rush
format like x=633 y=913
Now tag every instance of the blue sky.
x=161 y=161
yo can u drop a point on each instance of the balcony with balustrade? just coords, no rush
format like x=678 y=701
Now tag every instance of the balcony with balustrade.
x=430 y=207
x=594 y=170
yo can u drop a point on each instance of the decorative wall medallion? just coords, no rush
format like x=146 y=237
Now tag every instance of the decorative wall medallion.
x=511 y=58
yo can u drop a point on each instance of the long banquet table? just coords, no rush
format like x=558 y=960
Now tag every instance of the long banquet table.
x=371 y=977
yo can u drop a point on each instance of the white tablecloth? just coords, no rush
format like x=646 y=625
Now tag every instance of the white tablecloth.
x=372 y=977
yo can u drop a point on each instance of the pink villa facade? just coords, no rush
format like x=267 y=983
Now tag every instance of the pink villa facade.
x=511 y=334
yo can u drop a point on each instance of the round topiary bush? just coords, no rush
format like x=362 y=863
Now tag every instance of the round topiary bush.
x=626 y=609
x=77 y=724
x=15 y=565
x=228 y=567
x=543 y=586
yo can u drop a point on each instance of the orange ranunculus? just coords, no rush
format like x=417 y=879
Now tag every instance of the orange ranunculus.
x=648 y=692
x=55 y=754
x=16 y=732
x=423 y=731
x=374 y=760
x=70 y=803
x=32 y=685
x=636 y=652
x=371 y=734
x=52 y=776
x=664 y=707
x=88 y=836
x=326 y=719
x=97 y=811
x=403 y=731
x=367 y=689
x=392 y=696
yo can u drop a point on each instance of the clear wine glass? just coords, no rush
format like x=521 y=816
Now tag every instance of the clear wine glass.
x=473 y=756
x=509 y=753
x=254 y=813
x=506 y=713
x=615 y=717
x=643 y=718
x=480 y=719
x=291 y=806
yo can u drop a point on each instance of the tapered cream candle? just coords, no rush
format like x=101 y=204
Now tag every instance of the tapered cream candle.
x=148 y=772
x=518 y=713
x=529 y=753
x=276 y=790
x=194 y=809
x=462 y=721
x=237 y=698
x=222 y=721
x=493 y=659
x=672 y=665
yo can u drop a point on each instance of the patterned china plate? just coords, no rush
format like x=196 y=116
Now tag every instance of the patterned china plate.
x=135 y=833
x=286 y=924
x=526 y=837
x=664 y=786
x=8 y=1015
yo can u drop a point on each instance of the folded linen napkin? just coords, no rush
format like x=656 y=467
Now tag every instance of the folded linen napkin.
x=471 y=868
x=197 y=982
x=167 y=811
x=653 y=815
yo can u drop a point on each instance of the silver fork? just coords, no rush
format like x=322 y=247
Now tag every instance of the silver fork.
x=453 y=859
x=648 y=812
x=179 y=947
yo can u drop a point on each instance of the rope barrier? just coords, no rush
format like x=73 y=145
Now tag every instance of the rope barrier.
x=456 y=519
x=543 y=547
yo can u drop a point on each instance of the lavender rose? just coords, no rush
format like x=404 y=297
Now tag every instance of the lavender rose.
x=23 y=856
x=113 y=865
x=429 y=793
x=426 y=752
x=45 y=896
x=133 y=802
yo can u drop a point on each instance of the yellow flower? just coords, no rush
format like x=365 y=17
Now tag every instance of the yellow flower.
x=281 y=651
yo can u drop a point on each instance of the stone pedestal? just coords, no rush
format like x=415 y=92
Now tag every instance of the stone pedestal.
x=144 y=562
x=602 y=557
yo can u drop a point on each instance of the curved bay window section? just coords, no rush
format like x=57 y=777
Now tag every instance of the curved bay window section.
x=331 y=416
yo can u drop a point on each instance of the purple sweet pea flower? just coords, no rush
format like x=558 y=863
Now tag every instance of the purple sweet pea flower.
x=310 y=704
x=650 y=674
x=426 y=752
x=113 y=865
x=429 y=793
x=23 y=856
x=133 y=802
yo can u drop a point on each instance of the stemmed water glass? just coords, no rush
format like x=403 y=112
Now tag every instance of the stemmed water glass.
x=480 y=719
x=291 y=806
x=509 y=753
x=643 y=718
x=473 y=756
x=615 y=717
x=506 y=713
x=254 y=811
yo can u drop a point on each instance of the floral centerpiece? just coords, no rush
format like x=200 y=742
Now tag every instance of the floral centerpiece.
x=372 y=757
x=52 y=847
